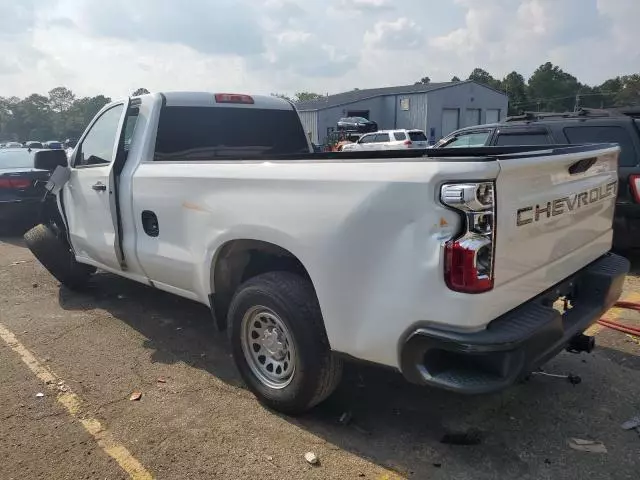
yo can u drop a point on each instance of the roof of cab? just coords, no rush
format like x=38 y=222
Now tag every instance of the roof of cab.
x=207 y=99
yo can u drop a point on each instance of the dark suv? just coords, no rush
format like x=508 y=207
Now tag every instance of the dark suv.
x=621 y=126
x=357 y=124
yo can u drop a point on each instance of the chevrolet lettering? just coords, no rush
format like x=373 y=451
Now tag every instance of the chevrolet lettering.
x=563 y=205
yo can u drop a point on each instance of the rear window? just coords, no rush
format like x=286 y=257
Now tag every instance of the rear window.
x=606 y=134
x=206 y=133
x=417 y=136
x=16 y=159
x=399 y=135
x=522 y=139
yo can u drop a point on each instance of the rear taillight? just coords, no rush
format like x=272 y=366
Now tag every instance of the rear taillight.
x=634 y=186
x=469 y=257
x=15 y=183
x=408 y=142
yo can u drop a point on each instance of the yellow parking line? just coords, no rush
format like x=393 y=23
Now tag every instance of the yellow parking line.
x=74 y=405
x=614 y=313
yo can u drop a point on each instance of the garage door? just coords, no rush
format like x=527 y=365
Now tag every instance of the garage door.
x=450 y=120
x=472 y=117
x=493 y=115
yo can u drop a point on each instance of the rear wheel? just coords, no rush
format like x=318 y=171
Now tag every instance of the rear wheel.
x=53 y=252
x=279 y=342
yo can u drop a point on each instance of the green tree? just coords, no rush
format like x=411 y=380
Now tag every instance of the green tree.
x=629 y=93
x=140 y=91
x=553 y=89
x=455 y=79
x=423 y=81
x=61 y=99
x=516 y=88
x=482 y=76
x=31 y=119
x=306 y=96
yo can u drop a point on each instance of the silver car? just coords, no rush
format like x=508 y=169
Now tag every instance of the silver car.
x=400 y=139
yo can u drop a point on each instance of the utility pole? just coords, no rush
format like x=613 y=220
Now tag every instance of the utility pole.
x=577 y=104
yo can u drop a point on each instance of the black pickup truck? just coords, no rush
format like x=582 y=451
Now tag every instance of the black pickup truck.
x=621 y=126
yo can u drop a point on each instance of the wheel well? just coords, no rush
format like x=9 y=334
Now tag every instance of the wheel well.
x=240 y=260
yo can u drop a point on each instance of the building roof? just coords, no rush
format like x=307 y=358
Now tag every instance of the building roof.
x=356 y=95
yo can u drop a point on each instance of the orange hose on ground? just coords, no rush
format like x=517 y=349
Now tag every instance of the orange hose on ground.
x=619 y=326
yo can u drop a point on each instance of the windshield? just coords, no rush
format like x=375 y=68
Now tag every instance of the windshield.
x=16 y=159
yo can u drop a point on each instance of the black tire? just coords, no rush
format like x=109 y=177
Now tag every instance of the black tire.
x=53 y=252
x=317 y=369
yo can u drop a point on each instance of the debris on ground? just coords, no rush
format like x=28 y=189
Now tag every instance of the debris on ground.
x=121 y=297
x=345 y=418
x=135 y=396
x=468 y=438
x=631 y=423
x=270 y=458
x=35 y=285
x=311 y=458
x=591 y=446
x=162 y=380
x=13 y=264
x=39 y=394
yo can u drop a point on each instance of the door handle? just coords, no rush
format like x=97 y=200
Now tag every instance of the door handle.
x=99 y=187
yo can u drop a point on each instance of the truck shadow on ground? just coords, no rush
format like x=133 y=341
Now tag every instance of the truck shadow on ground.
x=417 y=432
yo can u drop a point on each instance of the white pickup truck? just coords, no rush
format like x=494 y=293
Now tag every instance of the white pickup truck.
x=444 y=265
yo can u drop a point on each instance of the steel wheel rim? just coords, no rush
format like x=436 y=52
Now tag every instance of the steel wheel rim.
x=268 y=347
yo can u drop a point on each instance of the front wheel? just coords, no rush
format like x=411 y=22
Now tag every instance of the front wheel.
x=279 y=342
x=54 y=253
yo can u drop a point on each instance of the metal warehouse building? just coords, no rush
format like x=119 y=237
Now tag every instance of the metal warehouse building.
x=435 y=108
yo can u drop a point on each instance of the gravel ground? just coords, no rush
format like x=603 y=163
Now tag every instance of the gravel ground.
x=120 y=337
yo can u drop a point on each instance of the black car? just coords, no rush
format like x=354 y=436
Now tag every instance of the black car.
x=621 y=126
x=357 y=124
x=21 y=188
x=33 y=144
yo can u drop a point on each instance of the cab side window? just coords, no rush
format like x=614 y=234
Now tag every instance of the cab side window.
x=98 y=145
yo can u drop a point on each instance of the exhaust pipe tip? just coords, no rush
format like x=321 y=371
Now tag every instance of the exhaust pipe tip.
x=581 y=343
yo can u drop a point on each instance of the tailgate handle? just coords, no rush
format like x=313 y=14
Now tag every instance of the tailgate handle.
x=582 y=165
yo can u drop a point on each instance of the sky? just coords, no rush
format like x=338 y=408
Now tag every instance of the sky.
x=112 y=47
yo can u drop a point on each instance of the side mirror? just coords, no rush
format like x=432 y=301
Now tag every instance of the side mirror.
x=50 y=159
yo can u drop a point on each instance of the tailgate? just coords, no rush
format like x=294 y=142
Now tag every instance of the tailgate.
x=550 y=204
